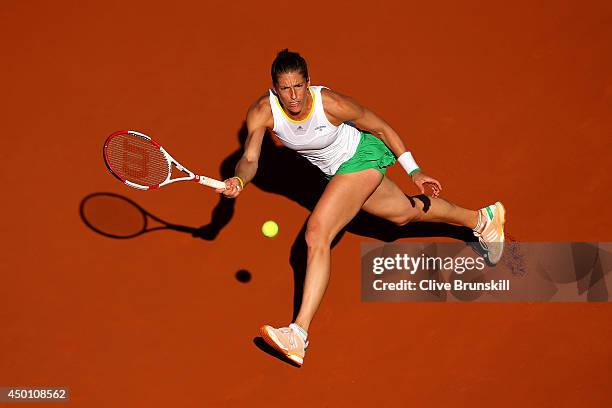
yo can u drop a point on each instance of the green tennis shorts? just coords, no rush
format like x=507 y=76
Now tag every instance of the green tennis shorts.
x=371 y=153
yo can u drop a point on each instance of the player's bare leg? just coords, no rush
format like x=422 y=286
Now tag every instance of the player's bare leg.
x=341 y=201
x=390 y=202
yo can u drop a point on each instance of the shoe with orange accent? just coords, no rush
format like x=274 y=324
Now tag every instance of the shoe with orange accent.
x=491 y=236
x=287 y=340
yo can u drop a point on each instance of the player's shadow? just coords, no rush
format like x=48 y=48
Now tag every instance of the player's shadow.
x=282 y=171
x=261 y=344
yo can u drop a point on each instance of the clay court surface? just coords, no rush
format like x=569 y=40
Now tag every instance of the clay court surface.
x=505 y=102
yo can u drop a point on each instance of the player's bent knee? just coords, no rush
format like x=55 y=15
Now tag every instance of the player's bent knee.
x=316 y=235
x=419 y=205
x=407 y=217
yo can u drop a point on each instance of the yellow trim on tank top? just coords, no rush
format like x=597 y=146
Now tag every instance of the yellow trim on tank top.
x=307 y=116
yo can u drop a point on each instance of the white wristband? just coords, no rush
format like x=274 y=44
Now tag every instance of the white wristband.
x=408 y=163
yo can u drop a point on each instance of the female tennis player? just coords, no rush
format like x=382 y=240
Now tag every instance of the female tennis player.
x=353 y=147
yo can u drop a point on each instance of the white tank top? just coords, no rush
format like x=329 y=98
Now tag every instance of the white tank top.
x=323 y=144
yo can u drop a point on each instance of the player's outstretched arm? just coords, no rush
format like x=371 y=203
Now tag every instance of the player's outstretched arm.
x=258 y=119
x=343 y=109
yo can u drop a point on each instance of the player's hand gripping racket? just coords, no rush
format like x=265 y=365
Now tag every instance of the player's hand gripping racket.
x=140 y=162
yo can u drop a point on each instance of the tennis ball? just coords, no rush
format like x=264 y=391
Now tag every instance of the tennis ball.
x=269 y=229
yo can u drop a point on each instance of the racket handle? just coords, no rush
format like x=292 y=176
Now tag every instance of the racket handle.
x=210 y=182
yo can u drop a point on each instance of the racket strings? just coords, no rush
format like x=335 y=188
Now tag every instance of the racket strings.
x=137 y=160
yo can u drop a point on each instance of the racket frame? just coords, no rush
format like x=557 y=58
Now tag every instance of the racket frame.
x=191 y=176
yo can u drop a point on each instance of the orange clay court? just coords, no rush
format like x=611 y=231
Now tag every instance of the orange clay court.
x=499 y=102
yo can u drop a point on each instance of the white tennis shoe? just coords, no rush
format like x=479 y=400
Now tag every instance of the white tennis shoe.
x=287 y=340
x=491 y=236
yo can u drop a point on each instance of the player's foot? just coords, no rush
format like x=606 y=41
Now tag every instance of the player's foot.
x=290 y=341
x=491 y=234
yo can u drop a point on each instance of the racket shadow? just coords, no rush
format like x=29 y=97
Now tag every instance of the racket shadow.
x=115 y=216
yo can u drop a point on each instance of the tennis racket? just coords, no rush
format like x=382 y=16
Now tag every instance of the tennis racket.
x=141 y=162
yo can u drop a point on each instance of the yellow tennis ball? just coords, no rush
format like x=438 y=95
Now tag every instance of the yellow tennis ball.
x=269 y=229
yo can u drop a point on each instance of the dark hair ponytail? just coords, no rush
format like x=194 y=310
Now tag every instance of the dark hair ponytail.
x=288 y=61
